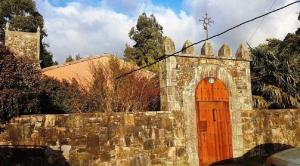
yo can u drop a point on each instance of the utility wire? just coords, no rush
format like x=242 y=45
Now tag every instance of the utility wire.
x=259 y=24
x=219 y=34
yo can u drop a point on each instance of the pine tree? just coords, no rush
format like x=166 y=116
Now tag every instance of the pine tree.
x=69 y=59
x=148 y=37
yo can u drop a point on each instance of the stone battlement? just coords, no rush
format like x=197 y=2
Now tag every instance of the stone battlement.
x=207 y=50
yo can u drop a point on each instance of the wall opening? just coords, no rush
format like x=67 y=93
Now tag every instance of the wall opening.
x=213 y=121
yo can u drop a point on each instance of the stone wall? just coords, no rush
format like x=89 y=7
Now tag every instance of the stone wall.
x=145 y=138
x=24 y=44
x=263 y=127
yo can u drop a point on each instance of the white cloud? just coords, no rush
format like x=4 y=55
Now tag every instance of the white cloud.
x=227 y=13
x=86 y=29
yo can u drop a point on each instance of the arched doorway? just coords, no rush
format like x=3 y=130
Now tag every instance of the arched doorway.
x=213 y=121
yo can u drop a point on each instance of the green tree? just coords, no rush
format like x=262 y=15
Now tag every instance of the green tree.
x=69 y=59
x=148 y=37
x=19 y=82
x=276 y=73
x=23 y=16
x=78 y=57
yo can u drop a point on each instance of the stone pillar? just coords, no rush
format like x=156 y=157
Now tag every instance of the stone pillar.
x=225 y=51
x=207 y=49
x=38 y=38
x=242 y=53
x=168 y=77
x=190 y=51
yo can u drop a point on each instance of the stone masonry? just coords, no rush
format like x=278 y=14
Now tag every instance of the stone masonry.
x=24 y=44
x=95 y=139
x=180 y=75
x=260 y=127
x=142 y=138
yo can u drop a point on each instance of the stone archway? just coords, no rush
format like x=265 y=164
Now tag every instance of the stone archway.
x=200 y=73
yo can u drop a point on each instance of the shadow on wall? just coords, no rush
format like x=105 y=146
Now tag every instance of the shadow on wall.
x=256 y=156
x=31 y=156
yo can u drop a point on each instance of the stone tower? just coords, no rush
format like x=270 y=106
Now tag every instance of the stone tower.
x=179 y=79
x=25 y=44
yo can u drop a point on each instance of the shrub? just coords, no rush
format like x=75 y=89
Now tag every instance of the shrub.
x=62 y=97
x=135 y=92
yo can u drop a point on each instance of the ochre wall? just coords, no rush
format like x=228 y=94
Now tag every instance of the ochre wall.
x=80 y=70
x=145 y=138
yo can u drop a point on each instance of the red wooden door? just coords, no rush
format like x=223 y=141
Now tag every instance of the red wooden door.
x=213 y=120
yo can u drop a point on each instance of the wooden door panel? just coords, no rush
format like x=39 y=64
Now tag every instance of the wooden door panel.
x=213 y=119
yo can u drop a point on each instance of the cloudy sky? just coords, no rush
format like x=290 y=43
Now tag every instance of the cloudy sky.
x=91 y=27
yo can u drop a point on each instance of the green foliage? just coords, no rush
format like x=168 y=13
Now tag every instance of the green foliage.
x=69 y=59
x=19 y=79
x=46 y=56
x=23 y=16
x=78 y=57
x=148 y=37
x=276 y=73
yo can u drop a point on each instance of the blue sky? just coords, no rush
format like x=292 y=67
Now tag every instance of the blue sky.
x=93 y=27
x=174 y=4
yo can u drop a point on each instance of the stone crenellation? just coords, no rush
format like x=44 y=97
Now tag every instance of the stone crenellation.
x=24 y=44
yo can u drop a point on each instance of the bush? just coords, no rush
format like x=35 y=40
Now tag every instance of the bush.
x=19 y=79
x=62 y=97
x=24 y=91
x=135 y=92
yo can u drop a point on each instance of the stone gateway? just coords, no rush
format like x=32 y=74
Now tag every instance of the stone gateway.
x=210 y=91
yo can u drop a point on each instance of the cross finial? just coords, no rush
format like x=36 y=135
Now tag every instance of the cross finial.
x=206 y=22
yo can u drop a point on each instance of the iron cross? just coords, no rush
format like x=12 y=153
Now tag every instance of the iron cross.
x=206 y=22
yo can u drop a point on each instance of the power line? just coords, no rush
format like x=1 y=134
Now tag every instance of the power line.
x=219 y=34
x=260 y=23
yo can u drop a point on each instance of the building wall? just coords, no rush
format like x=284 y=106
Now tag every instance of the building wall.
x=83 y=70
x=80 y=70
x=24 y=44
x=144 y=138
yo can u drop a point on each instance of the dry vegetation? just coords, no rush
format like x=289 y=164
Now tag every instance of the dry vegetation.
x=135 y=92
